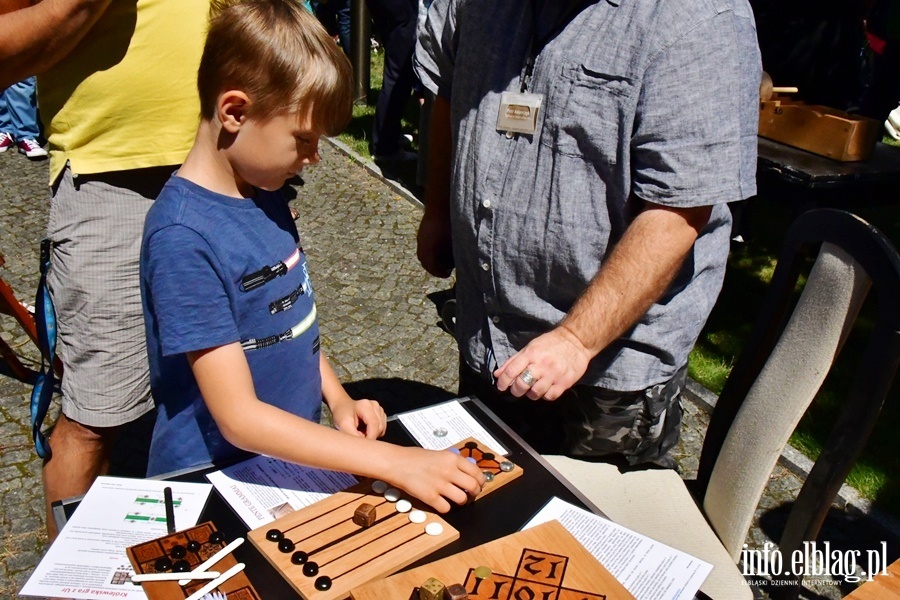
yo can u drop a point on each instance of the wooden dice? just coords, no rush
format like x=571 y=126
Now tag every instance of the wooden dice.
x=455 y=592
x=364 y=515
x=432 y=589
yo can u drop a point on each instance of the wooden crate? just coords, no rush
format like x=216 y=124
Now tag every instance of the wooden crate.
x=819 y=129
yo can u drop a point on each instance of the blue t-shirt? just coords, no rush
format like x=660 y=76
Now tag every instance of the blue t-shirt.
x=217 y=270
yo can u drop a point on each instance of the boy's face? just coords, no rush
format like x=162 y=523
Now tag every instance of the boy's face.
x=266 y=153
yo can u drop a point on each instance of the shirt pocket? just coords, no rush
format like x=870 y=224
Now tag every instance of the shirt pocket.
x=589 y=114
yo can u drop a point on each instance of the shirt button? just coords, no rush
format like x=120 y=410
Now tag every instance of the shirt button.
x=495 y=319
x=485 y=266
x=486 y=204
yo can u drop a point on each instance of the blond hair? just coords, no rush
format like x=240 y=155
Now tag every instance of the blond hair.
x=278 y=54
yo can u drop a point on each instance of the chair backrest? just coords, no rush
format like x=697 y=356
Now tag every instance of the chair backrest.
x=783 y=366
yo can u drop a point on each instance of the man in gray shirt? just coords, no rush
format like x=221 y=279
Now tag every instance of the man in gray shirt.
x=582 y=157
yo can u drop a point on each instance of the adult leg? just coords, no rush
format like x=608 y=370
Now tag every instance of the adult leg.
x=643 y=426
x=396 y=23
x=22 y=106
x=64 y=477
x=95 y=227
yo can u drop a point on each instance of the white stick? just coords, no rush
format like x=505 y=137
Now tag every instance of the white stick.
x=141 y=577
x=215 y=558
x=785 y=90
x=217 y=582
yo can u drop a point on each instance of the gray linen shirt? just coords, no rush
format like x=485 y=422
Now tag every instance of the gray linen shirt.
x=643 y=99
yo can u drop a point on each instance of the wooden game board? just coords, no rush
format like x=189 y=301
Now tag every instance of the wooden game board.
x=344 y=552
x=543 y=562
x=144 y=559
x=349 y=555
x=488 y=461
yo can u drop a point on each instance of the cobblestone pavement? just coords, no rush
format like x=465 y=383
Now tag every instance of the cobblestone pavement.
x=379 y=327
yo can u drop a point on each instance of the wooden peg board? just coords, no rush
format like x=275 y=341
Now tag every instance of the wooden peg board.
x=143 y=558
x=488 y=461
x=343 y=551
x=542 y=562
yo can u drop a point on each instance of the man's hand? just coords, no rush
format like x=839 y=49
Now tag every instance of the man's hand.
x=363 y=418
x=434 y=247
x=556 y=360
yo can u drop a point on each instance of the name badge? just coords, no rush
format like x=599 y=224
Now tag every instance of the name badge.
x=519 y=112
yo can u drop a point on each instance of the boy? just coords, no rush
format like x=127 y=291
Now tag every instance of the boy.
x=231 y=321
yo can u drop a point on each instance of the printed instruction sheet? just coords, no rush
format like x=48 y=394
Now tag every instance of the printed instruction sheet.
x=444 y=425
x=88 y=558
x=648 y=569
x=263 y=489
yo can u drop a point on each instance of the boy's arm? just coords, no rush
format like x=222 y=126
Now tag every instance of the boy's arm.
x=224 y=378
x=364 y=418
x=34 y=36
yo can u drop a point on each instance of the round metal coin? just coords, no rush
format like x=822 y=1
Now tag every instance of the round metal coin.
x=392 y=494
x=434 y=528
x=403 y=505
x=483 y=572
x=379 y=487
x=488 y=476
x=440 y=432
x=417 y=516
x=507 y=466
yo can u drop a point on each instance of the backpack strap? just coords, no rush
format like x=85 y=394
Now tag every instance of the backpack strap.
x=45 y=385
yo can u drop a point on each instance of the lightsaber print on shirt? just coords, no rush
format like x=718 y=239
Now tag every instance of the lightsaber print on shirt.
x=268 y=273
x=292 y=333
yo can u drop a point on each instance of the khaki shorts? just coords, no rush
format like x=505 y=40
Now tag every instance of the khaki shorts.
x=95 y=226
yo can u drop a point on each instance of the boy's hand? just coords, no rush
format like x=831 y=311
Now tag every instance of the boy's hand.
x=436 y=476
x=363 y=418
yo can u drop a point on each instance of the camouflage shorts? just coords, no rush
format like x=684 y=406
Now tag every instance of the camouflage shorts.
x=642 y=426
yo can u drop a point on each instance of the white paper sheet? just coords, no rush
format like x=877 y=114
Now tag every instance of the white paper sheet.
x=88 y=558
x=262 y=489
x=452 y=418
x=648 y=569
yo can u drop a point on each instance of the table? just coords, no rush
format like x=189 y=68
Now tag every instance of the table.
x=882 y=587
x=806 y=177
x=496 y=515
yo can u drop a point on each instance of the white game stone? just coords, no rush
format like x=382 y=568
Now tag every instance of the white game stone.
x=434 y=528
x=417 y=516
x=392 y=495
x=379 y=487
x=403 y=505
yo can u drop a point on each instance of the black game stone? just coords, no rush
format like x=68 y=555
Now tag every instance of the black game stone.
x=216 y=537
x=286 y=545
x=299 y=557
x=471 y=445
x=178 y=552
x=274 y=535
x=488 y=456
x=323 y=583
x=162 y=564
x=193 y=546
x=311 y=569
x=181 y=566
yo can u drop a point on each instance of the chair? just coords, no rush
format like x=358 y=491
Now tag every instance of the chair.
x=770 y=387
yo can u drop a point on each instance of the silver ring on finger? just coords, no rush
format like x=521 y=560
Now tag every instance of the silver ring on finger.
x=527 y=378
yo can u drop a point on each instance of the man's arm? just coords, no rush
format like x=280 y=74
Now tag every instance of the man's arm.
x=639 y=270
x=36 y=37
x=433 y=242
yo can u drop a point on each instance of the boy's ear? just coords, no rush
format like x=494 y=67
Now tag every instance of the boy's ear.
x=232 y=109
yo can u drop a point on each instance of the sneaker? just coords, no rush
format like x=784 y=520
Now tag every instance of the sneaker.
x=31 y=149
x=892 y=124
x=6 y=142
x=397 y=157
